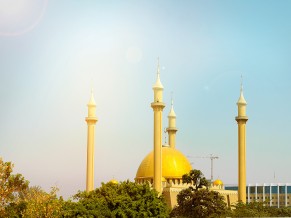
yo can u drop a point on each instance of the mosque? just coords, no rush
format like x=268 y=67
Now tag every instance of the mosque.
x=164 y=167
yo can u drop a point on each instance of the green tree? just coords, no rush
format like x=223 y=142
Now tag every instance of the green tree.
x=197 y=200
x=253 y=209
x=126 y=199
x=11 y=185
x=258 y=209
x=195 y=178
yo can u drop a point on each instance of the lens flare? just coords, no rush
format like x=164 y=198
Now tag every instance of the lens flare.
x=20 y=16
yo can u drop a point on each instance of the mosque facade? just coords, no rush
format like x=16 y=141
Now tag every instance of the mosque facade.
x=165 y=165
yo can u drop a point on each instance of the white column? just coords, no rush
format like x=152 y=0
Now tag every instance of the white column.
x=270 y=194
x=256 y=191
x=263 y=191
x=278 y=195
x=248 y=193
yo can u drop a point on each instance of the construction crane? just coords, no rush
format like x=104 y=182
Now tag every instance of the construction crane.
x=211 y=157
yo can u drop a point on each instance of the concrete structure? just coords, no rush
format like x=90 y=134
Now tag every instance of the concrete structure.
x=275 y=194
x=158 y=107
x=91 y=121
x=230 y=196
x=241 y=121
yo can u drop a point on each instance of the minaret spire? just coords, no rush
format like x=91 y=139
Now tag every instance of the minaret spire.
x=241 y=121
x=241 y=84
x=91 y=122
x=158 y=107
x=172 y=125
x=158 y=85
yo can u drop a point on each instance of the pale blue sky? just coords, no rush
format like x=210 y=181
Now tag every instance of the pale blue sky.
x=52 y=52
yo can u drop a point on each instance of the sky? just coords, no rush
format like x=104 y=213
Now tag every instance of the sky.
x=52 y=53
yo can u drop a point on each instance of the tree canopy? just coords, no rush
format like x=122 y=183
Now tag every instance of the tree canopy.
x=198 y=200
x=196 y=180
x=11 y=185
x=126 y=199
x=258 y=209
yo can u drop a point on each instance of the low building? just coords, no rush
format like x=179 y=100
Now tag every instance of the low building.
x=274 y=194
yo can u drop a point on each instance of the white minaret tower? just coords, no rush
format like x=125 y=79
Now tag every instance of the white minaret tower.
x=158 y=107
x=91 y=122
x=172 y=126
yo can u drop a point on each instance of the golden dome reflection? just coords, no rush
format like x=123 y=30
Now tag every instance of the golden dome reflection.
x=174 y=165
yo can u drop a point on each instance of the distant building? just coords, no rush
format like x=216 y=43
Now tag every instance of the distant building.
x=275 y=194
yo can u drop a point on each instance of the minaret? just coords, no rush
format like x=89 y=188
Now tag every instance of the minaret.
x=172 y=127
x=241 y=121
x=158 y=107
x=91 y=121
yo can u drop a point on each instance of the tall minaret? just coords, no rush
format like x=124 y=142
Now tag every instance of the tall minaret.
x=158 y=107
x=91 y=121
x=172 y=127
x=241 y=121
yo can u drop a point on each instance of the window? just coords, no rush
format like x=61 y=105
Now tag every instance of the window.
x=274 y=189
x=260 y=189
x=282 y=189
x=253 y=189
x=267 y=189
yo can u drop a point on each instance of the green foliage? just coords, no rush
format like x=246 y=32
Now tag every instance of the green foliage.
x=17 y=199
x=199 y=203
x=196 y=178
x=39 y=203
x=126 y=199
x=11 y=185
x=253 y=209
x=197 y=200
x=258 y=209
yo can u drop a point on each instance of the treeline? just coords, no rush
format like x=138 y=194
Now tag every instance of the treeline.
x=125 y=199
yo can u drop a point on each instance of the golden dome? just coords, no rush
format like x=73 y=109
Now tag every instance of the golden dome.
x=114 y=181
x=174 y=165
x=218 y=182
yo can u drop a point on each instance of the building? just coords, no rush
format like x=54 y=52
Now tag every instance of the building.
x=169 y=164
x=165 y=165
x=274 y=194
